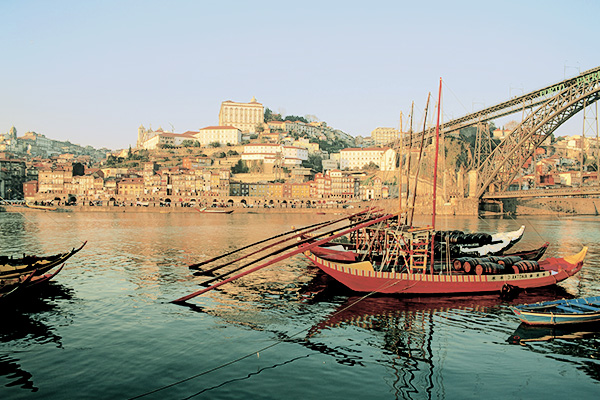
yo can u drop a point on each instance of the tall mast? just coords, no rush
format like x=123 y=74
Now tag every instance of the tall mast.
x=435 y=168
x=414 y=194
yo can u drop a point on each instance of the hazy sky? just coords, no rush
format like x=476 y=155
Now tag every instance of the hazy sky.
x=92 y=71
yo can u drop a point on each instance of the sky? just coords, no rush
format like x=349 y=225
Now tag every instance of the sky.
x=92 y=72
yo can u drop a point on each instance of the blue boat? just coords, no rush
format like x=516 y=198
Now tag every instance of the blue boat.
x=559 y=312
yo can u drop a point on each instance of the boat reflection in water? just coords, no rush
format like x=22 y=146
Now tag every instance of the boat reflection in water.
x=412 y=331
x=529 y=333
x=24 y=329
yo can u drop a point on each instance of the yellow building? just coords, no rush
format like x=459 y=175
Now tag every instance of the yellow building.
x=244 y=116
x=383 y=136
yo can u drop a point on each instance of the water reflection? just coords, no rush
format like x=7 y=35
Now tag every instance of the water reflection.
x=576 y=344
x=25 y=324
x=407 y=331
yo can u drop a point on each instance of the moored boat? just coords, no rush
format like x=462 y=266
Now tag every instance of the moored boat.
x=363 y=277
x=214 y=210
x=15 y=267
x=560 y=312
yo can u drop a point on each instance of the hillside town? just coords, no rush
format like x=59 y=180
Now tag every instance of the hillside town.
x=252 y=158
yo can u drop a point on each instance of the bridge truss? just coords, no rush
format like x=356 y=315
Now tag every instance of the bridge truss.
x=543 y=112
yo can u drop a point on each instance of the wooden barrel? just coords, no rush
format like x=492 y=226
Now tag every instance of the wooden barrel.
x=509 y=261
x=467 y=264
x=488 y=268
x=524 y=266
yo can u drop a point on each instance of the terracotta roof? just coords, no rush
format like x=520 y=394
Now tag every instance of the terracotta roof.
x=218 y=127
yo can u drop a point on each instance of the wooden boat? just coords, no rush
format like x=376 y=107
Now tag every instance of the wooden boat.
x=8 y=287
x=398 y=258
x=214 y=210
x=560 y=312
x=393 y=257
x=15 y=267
x=362 y=276
x=338 y=252
x=39 y=207
x=462 y=244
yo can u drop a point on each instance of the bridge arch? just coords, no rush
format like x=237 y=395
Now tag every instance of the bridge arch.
x=503 y=164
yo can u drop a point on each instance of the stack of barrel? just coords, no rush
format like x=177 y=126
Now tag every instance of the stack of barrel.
x=491 y=265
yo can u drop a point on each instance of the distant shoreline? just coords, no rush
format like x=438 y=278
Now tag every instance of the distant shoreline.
x=166 y=210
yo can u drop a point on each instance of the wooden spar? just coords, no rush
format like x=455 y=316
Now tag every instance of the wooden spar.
x=318 y=226
x=435 y=169
x=197 y=265
x=271 y=254
x=414 y=195
x=409 y=156
x=284 y=256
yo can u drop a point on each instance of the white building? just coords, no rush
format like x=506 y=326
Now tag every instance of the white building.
x=244 y=116
x=356 y=158
x=271 y=152
x=167 y=138
x=221 y=134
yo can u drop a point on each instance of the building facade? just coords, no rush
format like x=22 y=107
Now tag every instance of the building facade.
x=219 y=134
x=384 y=136
x=244 y=116
x=357 y=158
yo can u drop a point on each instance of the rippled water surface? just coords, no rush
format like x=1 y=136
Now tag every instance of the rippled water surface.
x=104 y=328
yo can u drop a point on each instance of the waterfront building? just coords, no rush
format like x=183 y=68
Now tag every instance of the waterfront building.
x=322 y=186
x=343 y=186
x=374 y=190
x=53 y=180
x=244 y=116
x=30 y=188
x=131 y=187
x=13 y=173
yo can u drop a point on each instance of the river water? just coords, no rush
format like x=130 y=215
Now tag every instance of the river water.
x=104 y=327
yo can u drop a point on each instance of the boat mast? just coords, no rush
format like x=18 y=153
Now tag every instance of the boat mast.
x=414 y=194
x=435 y=169
x=408 y=157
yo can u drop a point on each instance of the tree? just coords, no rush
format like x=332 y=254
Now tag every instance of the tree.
x=269 y=116
x=295 y=118
x=215 y=144
x=239 y=168
x=190 y=143
x=371 y=166
x=314 y=162
x=232 y=153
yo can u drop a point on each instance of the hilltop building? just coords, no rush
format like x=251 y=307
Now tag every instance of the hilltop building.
x=244 y=116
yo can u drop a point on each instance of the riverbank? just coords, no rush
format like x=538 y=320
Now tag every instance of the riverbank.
x=541 y=206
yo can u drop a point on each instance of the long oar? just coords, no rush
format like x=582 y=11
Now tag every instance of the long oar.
x=271 y=254
x=196 y=266
x=284 y=256
x=303 y=232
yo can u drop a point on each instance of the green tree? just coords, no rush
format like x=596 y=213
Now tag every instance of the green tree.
x=295 y=118
x=239 y=168
x=215 y=144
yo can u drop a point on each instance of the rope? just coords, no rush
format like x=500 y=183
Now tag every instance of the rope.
x=383 y=286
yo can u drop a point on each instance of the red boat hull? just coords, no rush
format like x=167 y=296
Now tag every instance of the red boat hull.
x=359 y=277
